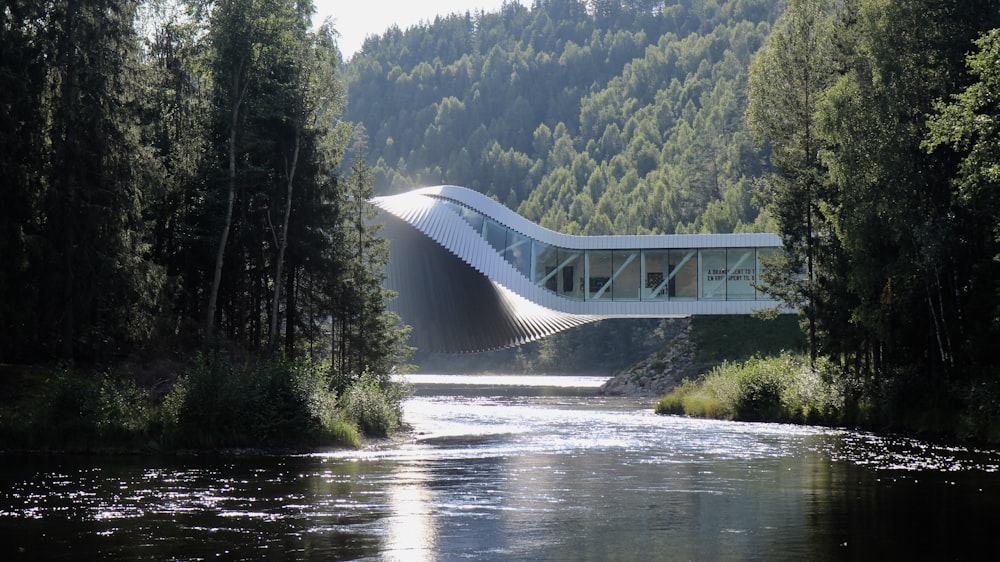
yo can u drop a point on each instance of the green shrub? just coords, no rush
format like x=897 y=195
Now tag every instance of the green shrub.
x=761 y=385
x=171 y=411
x=693 y=398
x=373 y=407
x=217 y=403
x=782 y=388
x=672 y=403
x=124 y=413
x=81 y=411
x=268 y=404
x=705 y=405
x=16 y=431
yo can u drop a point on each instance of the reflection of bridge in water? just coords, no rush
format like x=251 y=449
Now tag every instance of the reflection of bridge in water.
x=473 y=275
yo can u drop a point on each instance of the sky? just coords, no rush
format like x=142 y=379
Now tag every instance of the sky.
x=357 y=19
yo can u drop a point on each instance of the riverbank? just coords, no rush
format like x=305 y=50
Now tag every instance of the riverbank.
x=515 y=472
x=659 y=373
x=206 y=403
x=750 y=369
x=787 y=389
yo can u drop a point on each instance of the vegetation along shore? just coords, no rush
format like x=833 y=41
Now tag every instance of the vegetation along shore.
x=190 y=261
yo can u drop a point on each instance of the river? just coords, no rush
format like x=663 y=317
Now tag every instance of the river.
x=520 y=468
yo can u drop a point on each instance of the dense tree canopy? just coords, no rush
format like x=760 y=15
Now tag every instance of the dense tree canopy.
x=883 y=182
x=173 y=174
x=198 y=168
x=864 y=129
x=588 y=117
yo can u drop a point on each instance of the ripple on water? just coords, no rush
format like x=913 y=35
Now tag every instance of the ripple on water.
x=517 y=471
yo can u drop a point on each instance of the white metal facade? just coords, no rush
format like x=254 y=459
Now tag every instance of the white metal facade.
x=435 y=247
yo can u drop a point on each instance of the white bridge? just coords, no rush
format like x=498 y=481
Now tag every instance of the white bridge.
x=472 y=275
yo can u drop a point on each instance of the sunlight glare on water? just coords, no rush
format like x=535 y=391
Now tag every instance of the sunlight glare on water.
x=523 y=468
x=563 y=381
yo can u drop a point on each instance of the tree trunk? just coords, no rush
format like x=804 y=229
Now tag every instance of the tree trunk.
x=290 y=309
x=221 y=253
x=283 y=243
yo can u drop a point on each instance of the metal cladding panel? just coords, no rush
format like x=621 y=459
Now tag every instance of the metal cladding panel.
x=453 y=309
x=505 y=216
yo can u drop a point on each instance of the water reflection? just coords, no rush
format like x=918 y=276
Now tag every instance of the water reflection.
x=498 y=469
x=411 y=533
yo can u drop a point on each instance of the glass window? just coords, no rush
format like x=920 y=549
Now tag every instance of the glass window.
x=495 y=234
x=571 y=274
x=683 y=278
x=654 y=274
x=626 y=285
x=473 y=218
x=454 y=206
x=599 y=272
x=518 y=252
x=712 y=273
x=742 y=266
x=545 y=270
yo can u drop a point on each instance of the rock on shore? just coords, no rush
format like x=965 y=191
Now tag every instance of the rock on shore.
x=659 y=373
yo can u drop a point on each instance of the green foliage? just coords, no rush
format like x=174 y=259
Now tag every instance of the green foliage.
x=556 y=109
x=776 y=389
x=71 y=415
x=372 y=406
x=691 y=400
x=894 y=253
x=366 y=335
x=175 y=176
x=125 y=413
x=80 y=412
x=718 y=339
x=77 y=281
x=786 y=83
x=979 y=418
x=969 y=124
x=219 y=403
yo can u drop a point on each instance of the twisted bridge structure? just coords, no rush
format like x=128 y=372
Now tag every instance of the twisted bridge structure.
x=472 y=275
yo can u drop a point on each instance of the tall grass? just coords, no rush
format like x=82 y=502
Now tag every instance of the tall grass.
x=367 y=403
x=216 y=403
x=779 y=389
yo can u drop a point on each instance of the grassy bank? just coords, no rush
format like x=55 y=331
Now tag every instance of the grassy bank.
x=784 y=388
x=213 y=403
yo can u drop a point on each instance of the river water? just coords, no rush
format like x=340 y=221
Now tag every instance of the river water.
x=521 y=468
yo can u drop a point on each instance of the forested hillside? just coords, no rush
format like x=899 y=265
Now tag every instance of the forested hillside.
x=596 y=117
x=864 y=132
x=172 y=172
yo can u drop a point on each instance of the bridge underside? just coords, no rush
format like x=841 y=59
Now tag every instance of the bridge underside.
x=471 y=275
x=452 y=307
